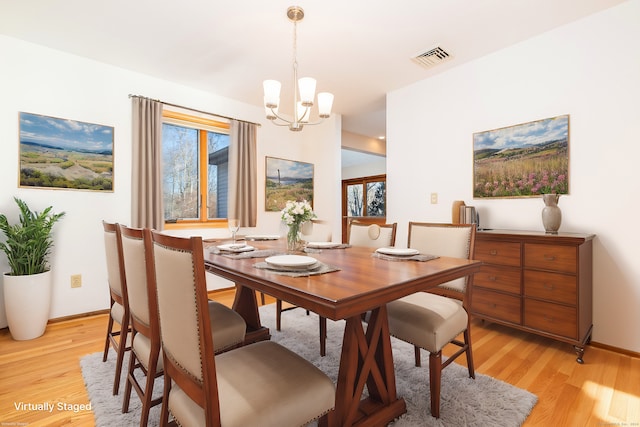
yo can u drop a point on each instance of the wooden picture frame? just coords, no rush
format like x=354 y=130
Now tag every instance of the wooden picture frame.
x=63 y=153
x=287 y=180
x=524 y=160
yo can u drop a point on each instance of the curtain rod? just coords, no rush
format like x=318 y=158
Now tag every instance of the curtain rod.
x=193 y=109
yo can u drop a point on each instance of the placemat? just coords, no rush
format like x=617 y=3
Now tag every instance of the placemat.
x=312 y=250
x=418 y=257
x=322 y=269
x=258 y=253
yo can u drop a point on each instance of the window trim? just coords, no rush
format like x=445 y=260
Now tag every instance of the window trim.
x=203 y=125
x=369 y=219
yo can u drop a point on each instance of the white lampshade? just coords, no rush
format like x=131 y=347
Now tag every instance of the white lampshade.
x=303 y=112
x=271 y=93
x=307 y=88
x=325 y=102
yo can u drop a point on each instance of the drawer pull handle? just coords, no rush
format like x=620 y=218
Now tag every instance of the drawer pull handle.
x=493 y=252
x=548 y=286
x=493 y=278
x=549 y=258
x=549 y=319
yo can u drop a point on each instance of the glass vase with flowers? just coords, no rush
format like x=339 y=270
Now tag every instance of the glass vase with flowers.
x=294 y=215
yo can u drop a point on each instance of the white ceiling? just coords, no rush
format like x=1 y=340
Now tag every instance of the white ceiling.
x=357 y=49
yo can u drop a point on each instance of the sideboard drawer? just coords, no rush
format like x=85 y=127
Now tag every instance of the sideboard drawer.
x=550 y=286
x=503 y=253
x=550 y=257
x=549 y=317
x=496 y=305
x=500 y=278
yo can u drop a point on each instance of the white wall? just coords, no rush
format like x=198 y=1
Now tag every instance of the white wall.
x=353 y=141
x=590 y=70
x=377 y=167
x=39 y=80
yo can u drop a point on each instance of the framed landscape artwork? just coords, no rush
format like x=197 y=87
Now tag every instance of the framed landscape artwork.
x=524 y=160
x=287 y=180
x=63 y=153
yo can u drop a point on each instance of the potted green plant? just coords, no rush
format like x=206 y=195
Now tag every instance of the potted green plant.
x=27 y=286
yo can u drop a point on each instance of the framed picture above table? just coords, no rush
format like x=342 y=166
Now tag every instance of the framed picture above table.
x=287 y=180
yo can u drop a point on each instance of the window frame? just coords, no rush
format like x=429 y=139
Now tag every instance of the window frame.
x=365 y=218
x=203 y=125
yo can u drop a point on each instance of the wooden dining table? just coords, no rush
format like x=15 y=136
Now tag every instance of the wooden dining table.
x=363 y=283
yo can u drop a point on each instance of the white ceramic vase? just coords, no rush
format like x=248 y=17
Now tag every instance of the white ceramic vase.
x=551 y=214
x=27 y=301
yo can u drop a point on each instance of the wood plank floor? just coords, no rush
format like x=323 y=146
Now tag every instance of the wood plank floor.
x=603 y=391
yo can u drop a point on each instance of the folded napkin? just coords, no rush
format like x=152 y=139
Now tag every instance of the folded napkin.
x=322 y=268
x=216 y=241
x=333 y=246
x=258 y=253
x=316 y=250
x=418 y=257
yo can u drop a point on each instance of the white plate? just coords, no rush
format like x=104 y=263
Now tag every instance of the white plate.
x=235 y=247
x=290 y=261
x=323 y=245
x=398 y=251
x=262 y=237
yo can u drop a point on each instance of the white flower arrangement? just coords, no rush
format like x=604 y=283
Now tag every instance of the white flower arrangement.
x=295 y=213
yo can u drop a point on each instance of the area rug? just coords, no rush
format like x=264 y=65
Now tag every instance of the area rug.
x=484 y=401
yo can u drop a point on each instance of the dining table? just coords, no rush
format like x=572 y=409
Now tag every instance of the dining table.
x=356 y=281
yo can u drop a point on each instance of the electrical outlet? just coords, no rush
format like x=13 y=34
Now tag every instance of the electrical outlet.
x=76 y=280
x=434 y=198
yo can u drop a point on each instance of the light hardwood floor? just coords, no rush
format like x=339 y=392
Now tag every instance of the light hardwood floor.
x=605 y=391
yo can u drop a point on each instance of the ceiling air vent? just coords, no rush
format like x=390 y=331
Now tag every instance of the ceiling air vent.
x=432 y=57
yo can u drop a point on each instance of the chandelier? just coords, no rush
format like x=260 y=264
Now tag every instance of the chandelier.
x=303 y=94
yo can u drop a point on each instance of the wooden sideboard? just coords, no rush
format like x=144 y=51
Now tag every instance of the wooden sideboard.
x=536 y=282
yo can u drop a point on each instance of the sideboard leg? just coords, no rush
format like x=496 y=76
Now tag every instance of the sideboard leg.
x=580 y=353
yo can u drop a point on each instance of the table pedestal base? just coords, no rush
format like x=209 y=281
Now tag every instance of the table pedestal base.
x=246 y=304
x=367 y=360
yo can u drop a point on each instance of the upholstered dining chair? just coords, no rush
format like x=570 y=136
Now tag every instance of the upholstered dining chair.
x=229 y=328
x=258 y=384
x=431 y=320
x=117 y=337
x=312 y=231
x=371 y=235
x=145 y=327
x=316 y=230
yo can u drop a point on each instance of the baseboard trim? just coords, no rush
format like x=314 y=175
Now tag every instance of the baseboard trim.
x=71 y=317
x=78 y=316
x=615 y=349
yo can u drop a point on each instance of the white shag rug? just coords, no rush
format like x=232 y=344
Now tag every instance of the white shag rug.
x=483 y=402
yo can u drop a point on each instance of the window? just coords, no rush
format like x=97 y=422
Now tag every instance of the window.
x=195 y=162
x=365 y=196
x=364 y=199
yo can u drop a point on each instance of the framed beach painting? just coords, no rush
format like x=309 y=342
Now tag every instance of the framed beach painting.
x=63 y=153
x=525 y=160
x=287 y=180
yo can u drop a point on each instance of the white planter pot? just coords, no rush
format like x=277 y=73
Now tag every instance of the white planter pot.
x=27 y=300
